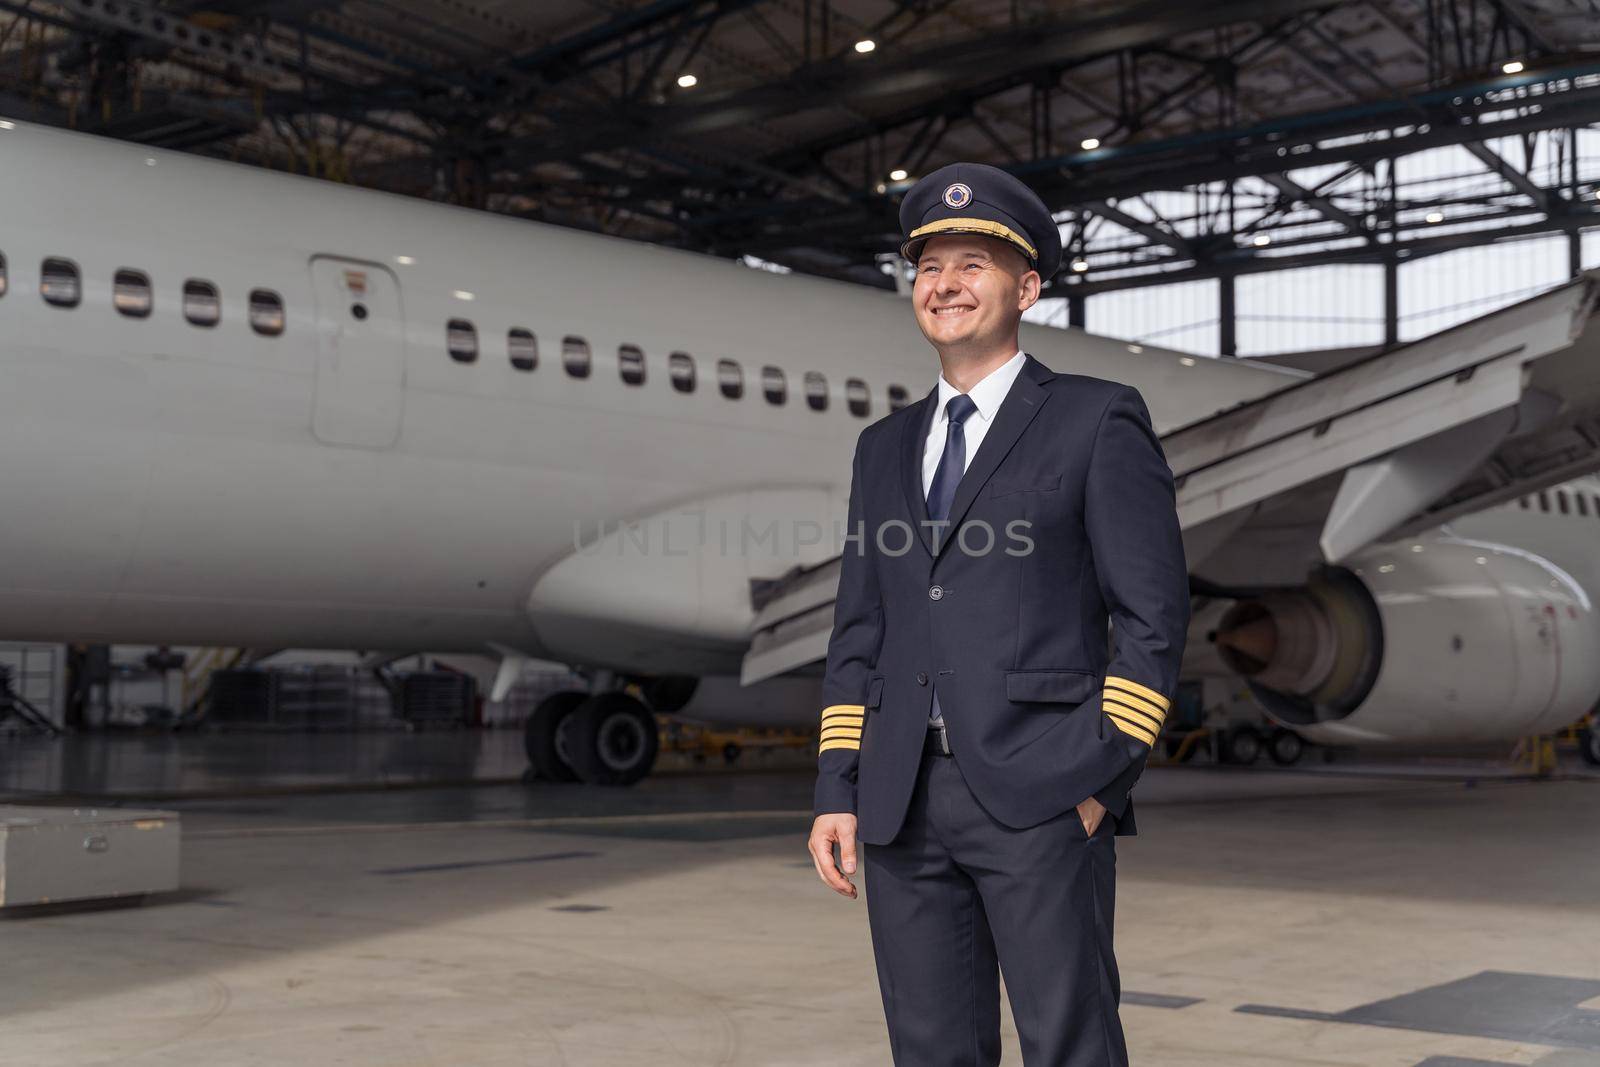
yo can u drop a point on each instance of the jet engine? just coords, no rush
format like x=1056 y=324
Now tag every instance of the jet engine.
x=1441 y=638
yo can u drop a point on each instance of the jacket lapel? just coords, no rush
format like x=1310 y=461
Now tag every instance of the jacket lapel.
x=1022 y=403
x=913 y=439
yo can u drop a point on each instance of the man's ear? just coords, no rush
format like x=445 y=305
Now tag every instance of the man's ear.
x=1028 y=290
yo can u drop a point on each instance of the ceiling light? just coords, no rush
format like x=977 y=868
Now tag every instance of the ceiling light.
x=1136 y=349
x=404 y=261
x=1435 y=216
x=865 y=45
x=1513 y=66
x=882 y=188
x=1080 y=265
x=1262 y=240
x=1090 y=143
x=149 y=161
x=7 y=124
x=462 y=294
x=1187 y=361
x=687 y=81
x=898 y=174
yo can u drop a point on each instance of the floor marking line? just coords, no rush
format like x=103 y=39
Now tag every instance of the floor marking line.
x=498 y=824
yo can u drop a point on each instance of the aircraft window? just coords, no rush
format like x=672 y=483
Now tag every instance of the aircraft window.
x=1583 y=504
x=462 y=339
x=130 y=293
x=523 y=348
x=266 y=312
x=630 y=360
x=816 y=390
x=575 y=356
x=730 y=377
x=1523 y=502
x=59 y=284
x=2 y=275
x=858 y=396
x=680 y=367
x=1544 y=500
x=1597 y=506
x=773 y=385
x=897 y=397
x=1561 y=502
x=201 y=304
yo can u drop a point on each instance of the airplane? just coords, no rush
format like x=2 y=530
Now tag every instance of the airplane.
x=256 y=409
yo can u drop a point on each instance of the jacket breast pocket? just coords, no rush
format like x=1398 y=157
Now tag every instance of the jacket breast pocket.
x=1004 y=487
x=1055 y=686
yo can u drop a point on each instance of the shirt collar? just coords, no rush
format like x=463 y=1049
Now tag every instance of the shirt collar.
x=988 y=393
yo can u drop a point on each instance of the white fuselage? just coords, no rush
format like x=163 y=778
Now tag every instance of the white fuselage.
x=347 y=483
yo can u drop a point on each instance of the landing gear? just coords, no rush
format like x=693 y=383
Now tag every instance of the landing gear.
x=1285 y=747
x=613 y=740
x=546 y=735
x=1589 y=745
x=1241 y=745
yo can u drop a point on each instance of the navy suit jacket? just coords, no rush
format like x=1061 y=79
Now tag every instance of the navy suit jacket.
x=1064 y=521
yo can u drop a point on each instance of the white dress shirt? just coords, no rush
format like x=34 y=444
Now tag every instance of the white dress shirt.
x=986 y=395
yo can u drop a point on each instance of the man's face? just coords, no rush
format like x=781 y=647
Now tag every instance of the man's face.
x=971 y=291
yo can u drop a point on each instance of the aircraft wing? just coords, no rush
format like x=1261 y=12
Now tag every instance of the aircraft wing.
x=1391 y=444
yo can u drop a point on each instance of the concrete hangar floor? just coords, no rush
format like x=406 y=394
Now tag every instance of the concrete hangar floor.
x=443 y=912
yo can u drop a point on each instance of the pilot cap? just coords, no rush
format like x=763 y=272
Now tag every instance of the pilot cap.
x=978 y=198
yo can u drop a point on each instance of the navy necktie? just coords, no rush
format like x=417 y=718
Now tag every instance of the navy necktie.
x=943 y=489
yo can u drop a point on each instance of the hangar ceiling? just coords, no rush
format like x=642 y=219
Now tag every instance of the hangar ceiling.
x=1282 y=123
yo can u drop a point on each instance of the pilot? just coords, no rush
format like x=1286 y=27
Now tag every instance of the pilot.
x=980 y=733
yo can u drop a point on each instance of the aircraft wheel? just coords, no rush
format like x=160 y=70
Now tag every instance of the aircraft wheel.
x=614 y=740
x=1241 y=745
x=1286 y=747
x=1589 y=745
x=547 y=733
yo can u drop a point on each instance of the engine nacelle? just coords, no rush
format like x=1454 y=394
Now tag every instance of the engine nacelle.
x=1439 y=638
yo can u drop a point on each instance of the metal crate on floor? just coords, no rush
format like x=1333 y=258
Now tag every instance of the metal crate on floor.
x=309 y=698
x=437 y=698
x=51 y=855
x=241 y=697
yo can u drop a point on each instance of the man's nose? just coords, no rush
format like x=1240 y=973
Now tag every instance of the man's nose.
x=948 y=283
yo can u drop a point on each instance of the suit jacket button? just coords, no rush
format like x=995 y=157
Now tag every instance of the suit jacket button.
x=936 y=592
x=922 y=677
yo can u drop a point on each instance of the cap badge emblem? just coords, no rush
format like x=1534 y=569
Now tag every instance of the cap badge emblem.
x=958 y=196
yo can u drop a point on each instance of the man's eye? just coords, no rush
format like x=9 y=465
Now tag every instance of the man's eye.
x=929 y=269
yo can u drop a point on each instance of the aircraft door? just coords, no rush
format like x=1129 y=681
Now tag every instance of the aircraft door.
x=360 y=353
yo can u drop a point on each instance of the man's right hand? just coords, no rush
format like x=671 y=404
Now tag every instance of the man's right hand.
x=827 y=829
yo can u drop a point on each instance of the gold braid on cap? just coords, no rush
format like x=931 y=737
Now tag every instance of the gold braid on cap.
x=980 y=226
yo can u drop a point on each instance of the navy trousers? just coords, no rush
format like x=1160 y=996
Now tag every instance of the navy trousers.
x=957 y=897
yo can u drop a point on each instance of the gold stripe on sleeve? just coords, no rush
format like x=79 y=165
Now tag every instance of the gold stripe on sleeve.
x=1135 y=730
x=1130 y=686
x=1137 y=714
x=844 y=710
x=838 y=742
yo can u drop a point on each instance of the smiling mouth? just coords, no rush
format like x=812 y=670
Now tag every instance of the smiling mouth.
x=952 y=312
